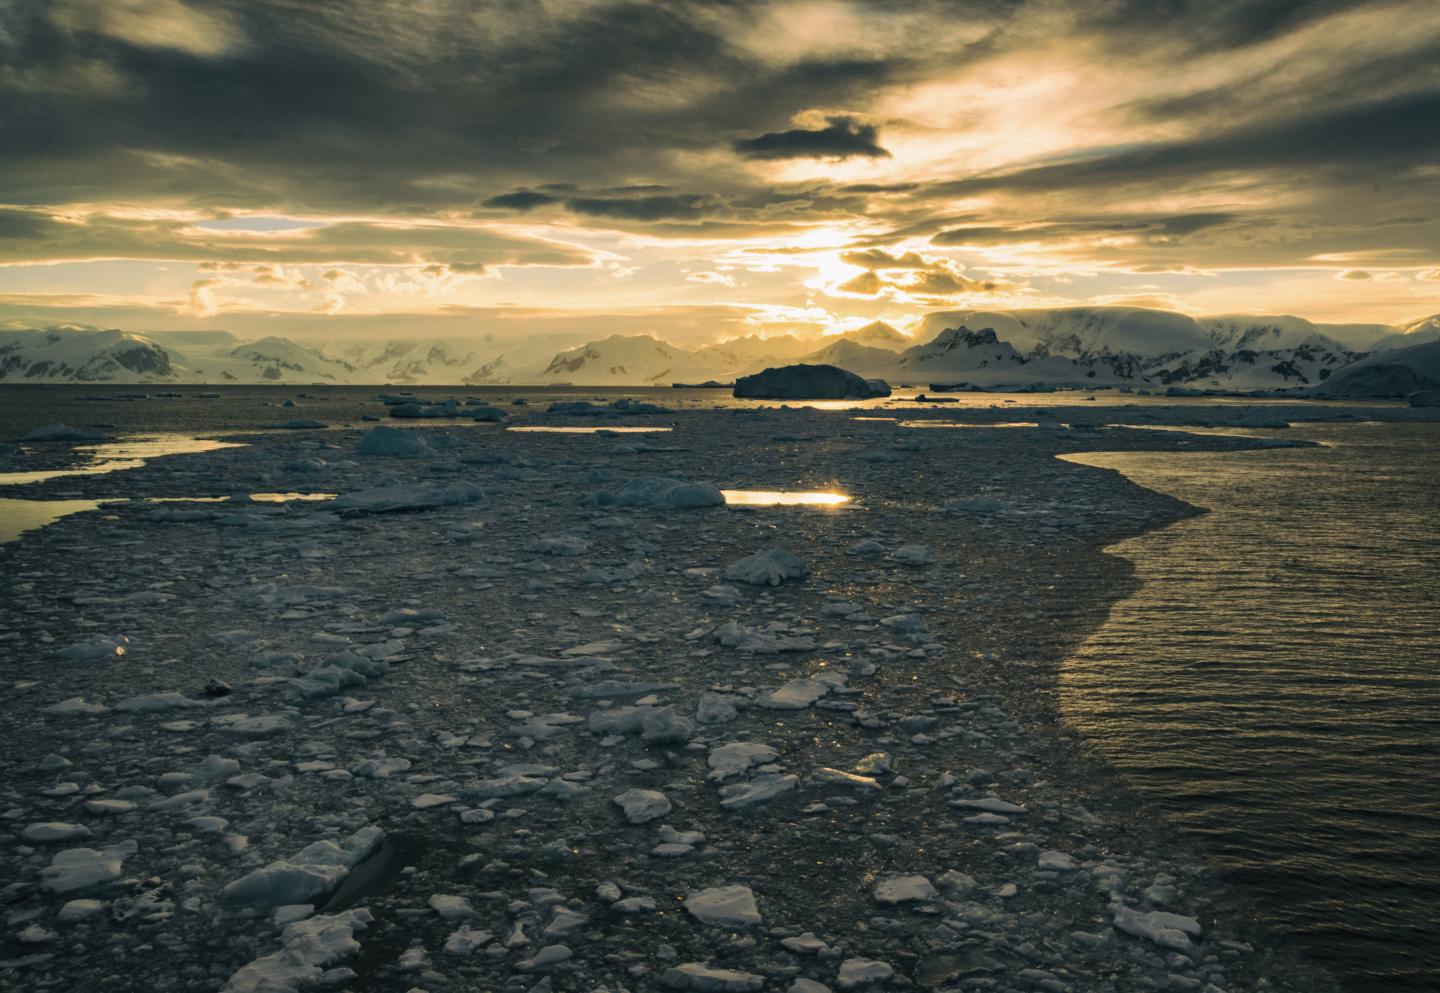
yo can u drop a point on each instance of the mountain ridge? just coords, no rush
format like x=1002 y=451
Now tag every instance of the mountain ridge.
x=1068 y=346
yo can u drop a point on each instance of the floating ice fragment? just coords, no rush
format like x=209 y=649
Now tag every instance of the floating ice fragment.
x=55 y=831
x=836 y=777
x=736 y=757
x=643 y=805
x=914 y=555
x=767 y=568
x=309 y=947
x=800 y=693
x=390 y=441
x=1164 y=929
x=703 y=979
x=855 y=973
x=724 y=906
x=990 y=804
x=451 y=908
x=1056 y=862
x=78 y=868
x=760 y=789
x=547 y=958
x=904 y=889
x=312 y=872
x=395 y=499
x=464 y=941
x=77 y=706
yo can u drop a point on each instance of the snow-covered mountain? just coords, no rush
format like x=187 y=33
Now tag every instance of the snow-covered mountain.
x=1421 y=332
x=1079 y=332
x=1071 y=346
x=82 y=355
x=877 y=334
x=1395 y=372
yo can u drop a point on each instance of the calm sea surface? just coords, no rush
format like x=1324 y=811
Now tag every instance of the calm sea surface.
x=1274 y=685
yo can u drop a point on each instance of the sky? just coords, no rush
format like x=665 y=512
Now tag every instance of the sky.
x=700 y=170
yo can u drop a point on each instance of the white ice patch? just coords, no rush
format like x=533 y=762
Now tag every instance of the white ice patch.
x=314 y=871
x=78 y=868
x=310 y=947
x=767 y=568
x=724 y=906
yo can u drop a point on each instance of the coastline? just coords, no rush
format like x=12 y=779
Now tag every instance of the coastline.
x=1008 y=597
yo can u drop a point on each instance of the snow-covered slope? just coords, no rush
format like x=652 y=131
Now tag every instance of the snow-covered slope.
x=878 y=334
x=1421 y=332
x=1392 y=373
x=1080 y=332
x=411 y=362
x=82 y=355
x=275 y=360
x=1071 y=346
x=618 y=360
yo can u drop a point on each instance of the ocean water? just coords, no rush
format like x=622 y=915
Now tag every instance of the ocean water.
x=202 y=409
x=1274 y=684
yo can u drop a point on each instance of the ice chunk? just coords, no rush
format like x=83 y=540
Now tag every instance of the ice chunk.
x=464 y=941
x=736 y=757
x=547 y=958
x=724 y=906
x=312 y=872
x=1164 y=929
x=1057 y=862
x=836 y=777
x=767 y=568
x=49 y=832
x=77 y=706
x=390 y=441
x=913 y=555
x=660 y=491
x=79 y=910
x=855 y=973
x=703 y=979
x=310 y=946
x=79 y=868
x=798 y=693
x=643 y=805
x=395 y=499
x=904 y=889
x=452 y=908
x=760 y=789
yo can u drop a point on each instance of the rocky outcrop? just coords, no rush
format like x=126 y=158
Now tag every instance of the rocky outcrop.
x=809 y=382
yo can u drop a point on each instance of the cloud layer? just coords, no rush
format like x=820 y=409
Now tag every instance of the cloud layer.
x=855 y=159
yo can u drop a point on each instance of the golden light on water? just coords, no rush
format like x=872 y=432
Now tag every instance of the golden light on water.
x=548 y=429
x=784 y=498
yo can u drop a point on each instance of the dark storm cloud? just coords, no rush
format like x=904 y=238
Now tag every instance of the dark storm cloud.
x=379 y=107
x=668 y=118
x=843 y=138
x=1200 y=26
x=645 y=208
x=1391 y=133
x=1174 y=226
x=521 y=200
